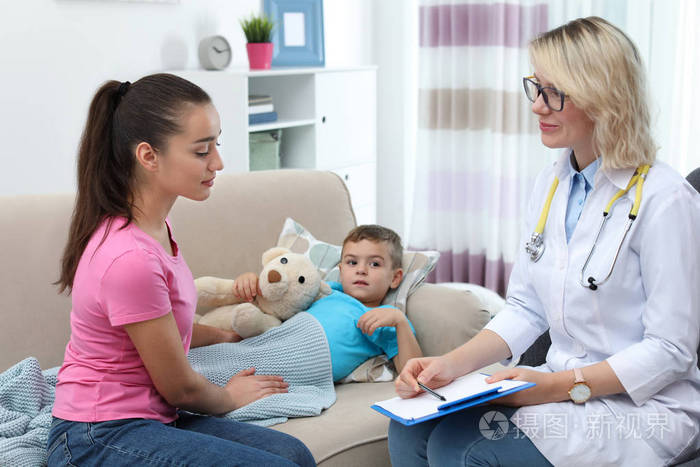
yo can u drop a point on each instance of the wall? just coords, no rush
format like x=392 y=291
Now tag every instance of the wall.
x=55 y=53
x=396 y=55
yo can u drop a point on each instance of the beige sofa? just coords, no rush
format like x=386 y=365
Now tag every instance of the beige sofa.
x=223 y=236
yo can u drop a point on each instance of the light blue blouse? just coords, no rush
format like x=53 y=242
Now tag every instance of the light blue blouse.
x=581 y=185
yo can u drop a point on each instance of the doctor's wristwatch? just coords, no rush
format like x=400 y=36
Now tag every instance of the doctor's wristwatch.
x=580 y=392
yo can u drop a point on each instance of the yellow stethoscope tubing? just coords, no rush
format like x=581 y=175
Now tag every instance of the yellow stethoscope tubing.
x=545 y=210
x=638 y=178
x=535 y=247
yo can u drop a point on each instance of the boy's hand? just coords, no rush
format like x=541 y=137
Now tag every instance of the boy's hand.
x=246 y=286
x=377 y=317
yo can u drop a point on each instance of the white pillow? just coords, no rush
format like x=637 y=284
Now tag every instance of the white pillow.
x=294 y=236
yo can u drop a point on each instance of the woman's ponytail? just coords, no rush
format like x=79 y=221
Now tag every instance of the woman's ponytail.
x=94 y=160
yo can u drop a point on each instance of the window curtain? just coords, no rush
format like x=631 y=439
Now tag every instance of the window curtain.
x=478 y=148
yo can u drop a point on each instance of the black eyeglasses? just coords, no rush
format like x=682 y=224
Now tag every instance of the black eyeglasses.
x=553 y=98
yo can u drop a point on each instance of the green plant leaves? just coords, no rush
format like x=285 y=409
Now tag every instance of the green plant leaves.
x=257 y=28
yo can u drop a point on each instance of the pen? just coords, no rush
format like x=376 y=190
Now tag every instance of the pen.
x=423 y=386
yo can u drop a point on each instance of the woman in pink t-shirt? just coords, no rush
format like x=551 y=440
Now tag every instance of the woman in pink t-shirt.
x=125 y=372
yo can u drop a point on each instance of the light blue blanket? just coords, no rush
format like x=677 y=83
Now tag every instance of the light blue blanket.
x=297 y=350
x=26 y=398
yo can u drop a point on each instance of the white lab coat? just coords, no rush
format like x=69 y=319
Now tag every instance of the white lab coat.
x=645 y=321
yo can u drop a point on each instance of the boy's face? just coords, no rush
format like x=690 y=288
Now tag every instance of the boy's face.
x=366 y=272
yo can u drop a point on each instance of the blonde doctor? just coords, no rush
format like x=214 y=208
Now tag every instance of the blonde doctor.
x=610 y=265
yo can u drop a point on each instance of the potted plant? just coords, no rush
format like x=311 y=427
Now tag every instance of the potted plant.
x=258 y=32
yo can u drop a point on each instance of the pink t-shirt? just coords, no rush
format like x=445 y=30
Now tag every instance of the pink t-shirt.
x=128 y=279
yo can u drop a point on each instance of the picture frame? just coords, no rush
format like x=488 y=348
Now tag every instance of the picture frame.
x=298 y=33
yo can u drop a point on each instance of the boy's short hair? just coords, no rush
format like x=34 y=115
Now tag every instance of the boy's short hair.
x=378 y=233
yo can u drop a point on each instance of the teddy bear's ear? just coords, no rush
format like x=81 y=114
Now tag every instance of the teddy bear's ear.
x=323 y=291
x=273 y=253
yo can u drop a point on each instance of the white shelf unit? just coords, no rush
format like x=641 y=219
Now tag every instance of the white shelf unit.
x=327 y=116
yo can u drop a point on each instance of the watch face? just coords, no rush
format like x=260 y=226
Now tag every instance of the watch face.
x=580 y=393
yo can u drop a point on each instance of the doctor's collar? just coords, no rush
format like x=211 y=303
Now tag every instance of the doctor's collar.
x=618 y=177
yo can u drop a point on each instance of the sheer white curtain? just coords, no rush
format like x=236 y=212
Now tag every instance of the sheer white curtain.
x=478 y=147
x=684 y=153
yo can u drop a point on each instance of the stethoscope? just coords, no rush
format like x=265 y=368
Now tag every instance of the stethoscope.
x=535 y=247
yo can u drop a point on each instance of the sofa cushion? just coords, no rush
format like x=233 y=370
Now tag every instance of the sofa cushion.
x=349 y=430
x=445 y=318
x=35 y=317
x=490 y=300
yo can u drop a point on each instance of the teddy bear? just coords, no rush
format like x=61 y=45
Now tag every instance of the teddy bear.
x=289 y=282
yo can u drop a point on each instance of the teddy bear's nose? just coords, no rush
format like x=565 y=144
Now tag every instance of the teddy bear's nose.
x=273 y=276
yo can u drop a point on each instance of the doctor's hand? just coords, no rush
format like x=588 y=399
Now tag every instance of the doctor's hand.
x=433 y=372
x=548 y=387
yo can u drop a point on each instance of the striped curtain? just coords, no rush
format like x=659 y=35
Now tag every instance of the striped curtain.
x=478 y=146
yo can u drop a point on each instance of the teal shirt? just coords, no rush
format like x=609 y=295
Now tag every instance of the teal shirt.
x=338 y=313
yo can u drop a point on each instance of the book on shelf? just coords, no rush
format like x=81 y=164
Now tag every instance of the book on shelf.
x=260 y=108
x=265 y=117
x=259 y=99
x=465 y=391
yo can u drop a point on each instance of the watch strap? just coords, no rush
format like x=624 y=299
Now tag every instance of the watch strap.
x=578 y=376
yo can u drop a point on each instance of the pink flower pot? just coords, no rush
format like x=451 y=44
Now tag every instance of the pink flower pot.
x=259 y=55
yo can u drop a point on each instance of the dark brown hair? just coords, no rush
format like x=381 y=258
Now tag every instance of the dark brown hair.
x=378 y=233
x=120 y=117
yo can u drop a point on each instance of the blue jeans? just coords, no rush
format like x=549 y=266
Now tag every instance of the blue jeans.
x=191 y=440
x=458 y=439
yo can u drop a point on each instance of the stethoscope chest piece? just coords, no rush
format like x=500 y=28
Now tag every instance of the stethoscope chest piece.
x=535 y=247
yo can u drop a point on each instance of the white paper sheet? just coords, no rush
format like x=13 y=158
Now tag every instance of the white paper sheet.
x=426 y=404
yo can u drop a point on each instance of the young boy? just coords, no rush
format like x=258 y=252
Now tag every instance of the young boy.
x=356 y=326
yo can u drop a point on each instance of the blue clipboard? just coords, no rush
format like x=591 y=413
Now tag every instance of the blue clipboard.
x=454 y=406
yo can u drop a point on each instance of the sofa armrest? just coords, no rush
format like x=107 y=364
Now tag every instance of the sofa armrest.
x=444 y=318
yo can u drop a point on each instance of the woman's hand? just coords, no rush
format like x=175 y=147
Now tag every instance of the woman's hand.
x=246 y=286
x=433 y=372
x=377 y=317
x=549 y=387
x=245 y=387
